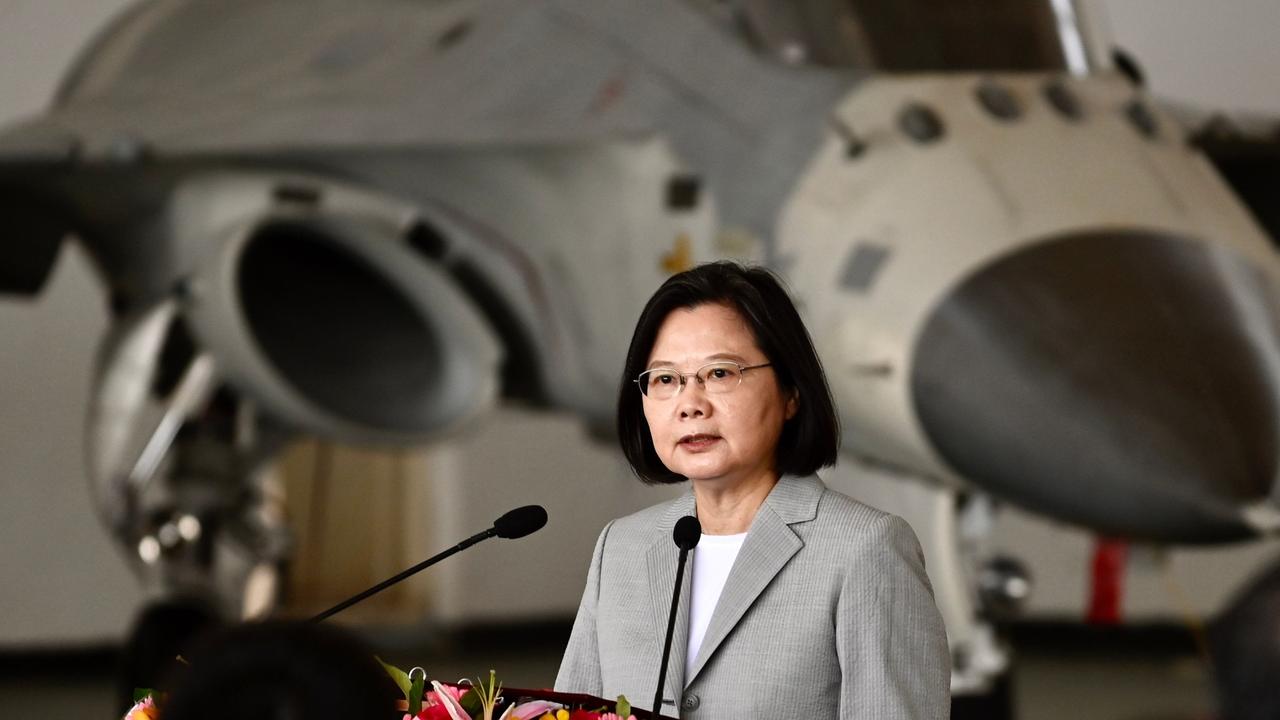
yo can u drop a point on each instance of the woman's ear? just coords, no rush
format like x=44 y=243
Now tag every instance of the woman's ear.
x=793 y=403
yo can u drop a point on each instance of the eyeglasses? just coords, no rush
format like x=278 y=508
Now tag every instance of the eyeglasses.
x=715 y=378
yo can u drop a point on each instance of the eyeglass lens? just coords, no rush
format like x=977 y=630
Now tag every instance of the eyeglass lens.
x=664 y=383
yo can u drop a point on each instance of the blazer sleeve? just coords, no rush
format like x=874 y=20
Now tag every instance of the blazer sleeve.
x=580 y=667
x=890 y=639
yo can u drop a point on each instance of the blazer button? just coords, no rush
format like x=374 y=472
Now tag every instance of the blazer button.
x=691 y=702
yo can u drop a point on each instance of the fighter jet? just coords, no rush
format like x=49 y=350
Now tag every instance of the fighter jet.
x=374 y=221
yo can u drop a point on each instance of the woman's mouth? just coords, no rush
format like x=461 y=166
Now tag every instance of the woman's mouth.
x=699 y=441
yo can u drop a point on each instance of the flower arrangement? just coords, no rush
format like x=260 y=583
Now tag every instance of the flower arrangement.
x=465 y=700
x=479 y=700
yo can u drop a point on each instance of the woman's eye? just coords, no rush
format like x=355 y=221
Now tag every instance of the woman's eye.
x=664 y=379
x=724 y=372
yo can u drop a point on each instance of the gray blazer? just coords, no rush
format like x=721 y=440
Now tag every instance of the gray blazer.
x=827 y=613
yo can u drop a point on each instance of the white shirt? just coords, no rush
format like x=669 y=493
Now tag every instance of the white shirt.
x=712 y=560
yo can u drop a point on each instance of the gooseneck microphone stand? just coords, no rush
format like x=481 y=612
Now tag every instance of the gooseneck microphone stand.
x=514 y=524
x=686 y=535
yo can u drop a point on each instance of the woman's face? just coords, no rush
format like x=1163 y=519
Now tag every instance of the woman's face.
x=730 y=437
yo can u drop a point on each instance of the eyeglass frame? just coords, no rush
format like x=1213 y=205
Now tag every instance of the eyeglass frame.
x=684 y=377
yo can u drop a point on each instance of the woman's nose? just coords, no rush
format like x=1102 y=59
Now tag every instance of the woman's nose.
x=693 y=399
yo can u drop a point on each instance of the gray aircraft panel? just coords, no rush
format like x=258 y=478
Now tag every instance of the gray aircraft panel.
x=302 y=76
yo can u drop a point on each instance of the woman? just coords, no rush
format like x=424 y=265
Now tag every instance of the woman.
x=800 y=602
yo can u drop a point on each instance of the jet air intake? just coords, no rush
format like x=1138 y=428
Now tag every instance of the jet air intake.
x=1121 y=380
x=335 y=325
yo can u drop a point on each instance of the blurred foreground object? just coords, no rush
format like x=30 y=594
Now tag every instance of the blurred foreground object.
x=278 y=671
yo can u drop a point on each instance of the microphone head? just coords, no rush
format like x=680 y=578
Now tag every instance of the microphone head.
x=520 y=522
x=687 y=533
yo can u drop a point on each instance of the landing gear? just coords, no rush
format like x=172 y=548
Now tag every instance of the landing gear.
x=178 y=472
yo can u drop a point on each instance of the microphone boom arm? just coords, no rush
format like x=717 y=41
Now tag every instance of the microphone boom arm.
x=484 y=535
x=513 y=524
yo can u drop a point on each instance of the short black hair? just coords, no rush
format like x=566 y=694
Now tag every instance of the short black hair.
x=809 y=440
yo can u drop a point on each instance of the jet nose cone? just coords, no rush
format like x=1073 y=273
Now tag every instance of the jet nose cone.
x=1124 y=381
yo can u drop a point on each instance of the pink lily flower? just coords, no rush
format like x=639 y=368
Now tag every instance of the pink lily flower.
x=534 y=709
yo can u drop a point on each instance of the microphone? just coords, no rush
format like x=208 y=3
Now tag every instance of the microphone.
x=687 y=533
x=514 y=524
x=520 y=522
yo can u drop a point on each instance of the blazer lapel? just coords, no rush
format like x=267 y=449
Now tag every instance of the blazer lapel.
x=769 y=545
x=662 y=558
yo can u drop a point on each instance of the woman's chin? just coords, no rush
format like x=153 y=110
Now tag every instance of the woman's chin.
x=701 y=474
x=712 y=476
x=699 y=465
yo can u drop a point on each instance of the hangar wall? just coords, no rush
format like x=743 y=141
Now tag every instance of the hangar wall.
x=63 y=581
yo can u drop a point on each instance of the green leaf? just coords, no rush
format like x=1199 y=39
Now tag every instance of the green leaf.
x=470 y=701
x=623 y=707
x=415 y=694
x=140 y=694
x=400 y=676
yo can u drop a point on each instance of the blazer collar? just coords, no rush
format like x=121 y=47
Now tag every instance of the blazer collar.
x=769 y=545
x=795 y=499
